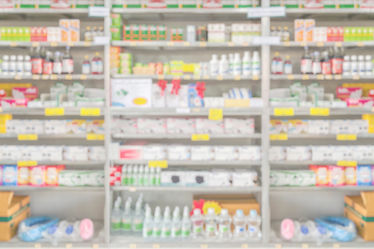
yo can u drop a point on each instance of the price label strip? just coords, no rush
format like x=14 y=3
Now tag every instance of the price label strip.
x=27 y=163
x=90 y=112
x=347 y=163
x=158 y=164
x=215 y=114
x=95 y=137
x=27 y=137
x=200 y=137
x=58 y=111
x=284 y=112
x=346 y=137
x=279 y=137
x=318 y=111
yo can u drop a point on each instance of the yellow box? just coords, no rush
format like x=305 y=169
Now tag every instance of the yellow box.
x=65 y=30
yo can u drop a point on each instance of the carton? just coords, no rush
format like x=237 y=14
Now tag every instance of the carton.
x=299 y=30
x=13 y=209
x=360 y=209
x=64 y=26
x=74 y=30
x=309 y=25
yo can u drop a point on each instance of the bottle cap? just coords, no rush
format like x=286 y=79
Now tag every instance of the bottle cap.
x=211 y=211
x=224 y=211
x=253 y=213
x=196 y=211
x=239 y=213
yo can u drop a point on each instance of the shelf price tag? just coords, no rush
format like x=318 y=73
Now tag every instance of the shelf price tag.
x=57 y=111
x=290 y=77
x=68 y=245
x=93 y=136
x=338 y=44
x=284 y=112
x=37 y=245
x=200 y=137
x=46 y=77
x=360 y=44
x=183 y=110
x=346 y=137
x=338 y=77
x=53 y=77
x=320 y=77
x=244 y=246
x=158 y=164
x=35 y=77
x=186 y=44
x=319 y=111
x=215 y=114
x=90 y=112
x=204 y=246
x=27 y=163
x=266 y=12
x=255 y=77
x=320 y=44
x=278 y=245
x=356 y=77
x=202 y=44
x=13 y=44
x=304 y=246
x=170 y=44
x=336 y=245
x=237 y=77
x=156 y=246
x=95 y=246
x=220 y=77
x=328 y=77
x=187 y=77
x=53 y=44
x=347 y=163
x=27 y=137
x=18 y=77
x=68 y=77
x=279 y=137
x=305 y=77
x=83 y=77
x=98 y=11
x=132 y=246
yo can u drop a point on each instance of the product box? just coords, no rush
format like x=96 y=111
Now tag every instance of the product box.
x=360 y=209
x=131 y=92
x=10 y=175
x=23 y=175
x=336 y=176
x=322 y=176
x=350 y=174
x=364 y=175
x=13 y=209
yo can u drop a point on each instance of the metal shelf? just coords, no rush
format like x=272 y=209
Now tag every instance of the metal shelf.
x=185 y=136
x=305 y=111
x=38 y=11
x=182 y=44
x=68 y=111
x=8 y=44
x=234 y=111
x=50 y=188
x=53 y=77
x=205 y=189
x=325 y=44
x=321 y=77
x=306 y=163
x=325 y=136
x=320 y=188
x=187 y=77
x=63 y=162
x=50 y=136
x=194 y=163
x=192 y=11
x=330 y=11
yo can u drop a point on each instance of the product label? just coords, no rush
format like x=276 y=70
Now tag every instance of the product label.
x=126 y=226
x=197 y=229
x=282 y=136
x=27 y=137
x=90 y=112
x=318 y=111
x=186 y=233
x=58 y=111
x=200 y=137
x=116 y=225
x=215 y=114
x=27 y=163
x=284 y=112
x=160 y=164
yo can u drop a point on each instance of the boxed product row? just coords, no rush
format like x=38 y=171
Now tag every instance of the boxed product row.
x=327 y=4
x=142 y=175
x=184 y=4
x=68 y=31
x=183 y=126
x=321 y=153
x=324 y=175
x=142 y=93
x=20 y=126
x=48 y=175
x=52 y=153
x=228 y=65
x=358 y=126
x=27 y=95
x=185 y=152
x=54 y=4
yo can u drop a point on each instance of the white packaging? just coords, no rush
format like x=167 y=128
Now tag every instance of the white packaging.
x=92 y=178
x=204 y=125
x=129 y=152
x=96 y=153
x=180 y=125
x=55 y=127
x=219 y=178
x=151 y=125
x=69 y=178
x=128 y=126
x=131 y=92
x=178 y=152
x=158 y=96
x=197 y=178
x=320 y=127
x=202 y=153
x=76 y=153
x=298 y=153
x=154 y=152
x=239 y=126
x=35 y=152
x=277 y=153
x=173 y=178
x=225 y=153
x=243 y=178
x=52 y=153
x=249 y=153
x=321 y=153
x=297 y=126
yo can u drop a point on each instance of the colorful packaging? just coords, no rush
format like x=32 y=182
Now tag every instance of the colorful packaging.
x=336 y=176
x=65 y=30
x=364 y=175
x=322 y=175
x=344 y=93
x=350 y=175
x=309 y=25
x=1 y=175
x=74 y=30
x=23 y=175
x=299 y=30
x=37 y=176
x=51 y=175
x=10 y=175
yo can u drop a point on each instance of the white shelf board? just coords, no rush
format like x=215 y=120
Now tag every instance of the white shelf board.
x=68 y=111
x=326 y=136
x=321 y=77
x=293 y=44
x=53 y=77
x=234 y=111
x=181 y=44
x=185 y=136
x=51 y=188
x=47 y=44
x=192 y=11
x=187 y=77
x=195 y=163
x=322 y=11
x=205 y=189
x=306 y=163
x=318 y=188
x=38 y=11
x=63 y=162
x=50 y=136
x=305 y=111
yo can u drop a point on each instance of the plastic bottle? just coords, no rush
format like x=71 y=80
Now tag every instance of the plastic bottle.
x=140 y=177
x=337 y=62
x=285 y=34
x=306 y=63
x=138 y=218
x=326 y=65
x=48 y=64
x=277 y=64
x=116 y=215
x=256 y=69
x=135 y=175
x=213 y=66
x=13 y=65
x=166 y=224
x=147 y=178
x=57 y=64
x=158 y=176
x=346 y=65
x=287 y=65
x=316 y=66
x=368 y=65
x=223 y=66
x=153 y=176
x=127 y=216
x=211 y=224
x=354 y=65
x=20 y=63
x=130 y=176
x=86 y=66
x=176 y=228
x=97 y=64
x=88 y=34
x=186 y=223
x=36 y=62
x=148 y=223
x=231 y=64
x=237 y=65
x=239 y=222
x=254 y=223
x=5 y=65
x=27 y=65
x=246 y=64
x=157 y=223
x=197 y=224
x=67 y=62
x=361 y=65
x=224 y=225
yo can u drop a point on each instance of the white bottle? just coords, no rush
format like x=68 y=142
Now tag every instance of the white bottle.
x=12 y=65
x=316 y=64
x=157 y=223
x=166 y=224
x=138 y=218
x=239 y=222
x=186 y=223
x=27 y=65
x=346 y=65
x=237 y=65
x=153 y=177
x=246 y=64
x=197 y=220
x=231 y=64
x=176 y=228
x=368 y=65
x=126 y=218
x=354 y=65
x=211 y=224
x=5 y=65
x=116 y=215
x=141 y=177
x=135 y=175
x=361 y=65
x=256 y=70
x=224 y=225
x=20 y=62
x=213 y=66
x=130 y=176
x=147 y=178
x=158 y=176
x=224 y=68
x=148 y=223
x=254 y=223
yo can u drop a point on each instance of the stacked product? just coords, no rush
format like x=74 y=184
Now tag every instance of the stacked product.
x=184 y=4
x=323 y=4
x=46 y=4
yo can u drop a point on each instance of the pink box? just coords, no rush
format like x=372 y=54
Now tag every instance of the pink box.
x=8 y=102
x=115 y=181
x=37 y=176
x=336 y=176
x=29 y=93
x=131 y=152
x=51 y=174
x=348 y=92
x=360 y=102
x=116 y=171
x=322 y=174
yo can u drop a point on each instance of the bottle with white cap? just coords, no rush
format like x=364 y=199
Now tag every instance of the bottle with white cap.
x=12 y=65
x=157 y=223
x=147 y=178
x=246 y=64
x=237 y=65
x=224 y=225
x=256 y=69
x=20 y=63
x=368 y=65
x=186 y=223
x=224 y=68
x=148 y=223
x=138 y=218
x=346 y=65
x=361 y=65
x=197 y=220
x=214 y=66
x=354 y=66
x=27 y=65
x=126 y=217
x=240 y=223
x=166 y=224
x=116 y=215
x=176 y=228
x=211 y=224
x=5 y=65
x=231 y=64
x=254 y=223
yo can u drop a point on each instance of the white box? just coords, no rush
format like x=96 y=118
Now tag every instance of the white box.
x=241 y=178
x=151 y=126
x=131 y=92
x=219 y=178
x=204 y=125
x=277 y=153
x=154 y=152
x=180 y=125
x=76 y=153
x=225 y=153
x=250 y=153
x=178 y=152
x=239 y=126
x=202 y=153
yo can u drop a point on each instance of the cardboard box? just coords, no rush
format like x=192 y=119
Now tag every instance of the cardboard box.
x=360 y=209
x=13 y=209
x=246 y=202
